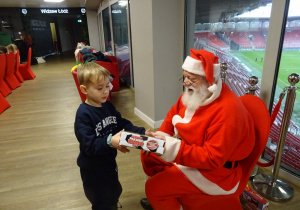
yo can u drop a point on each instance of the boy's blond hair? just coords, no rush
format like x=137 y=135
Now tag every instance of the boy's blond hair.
x=91 y=71
x=12 y=48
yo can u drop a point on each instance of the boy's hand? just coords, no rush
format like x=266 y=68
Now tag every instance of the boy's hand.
x=123 y=149
x=149 y=133
x=115 y=140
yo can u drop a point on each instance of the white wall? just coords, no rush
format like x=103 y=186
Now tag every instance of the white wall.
x=157 y=29
x=142 y=55
x=93 y=29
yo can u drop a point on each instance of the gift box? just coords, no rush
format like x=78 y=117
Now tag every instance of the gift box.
x=251 y=200
x=143 y=142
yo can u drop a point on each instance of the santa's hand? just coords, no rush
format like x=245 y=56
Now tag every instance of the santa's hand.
x=159 y=136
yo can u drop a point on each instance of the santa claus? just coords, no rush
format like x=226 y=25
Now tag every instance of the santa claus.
x=207 y=132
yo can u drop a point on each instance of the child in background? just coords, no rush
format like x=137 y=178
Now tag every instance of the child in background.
x=12 y=48
x=3 y=50
x=98 y=126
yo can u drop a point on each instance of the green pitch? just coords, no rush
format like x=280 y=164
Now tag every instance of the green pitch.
x=290 y=63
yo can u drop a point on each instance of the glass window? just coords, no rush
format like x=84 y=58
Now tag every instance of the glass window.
x=106 y=30
x=120 y=33
x=235 y=31
x=289 y=63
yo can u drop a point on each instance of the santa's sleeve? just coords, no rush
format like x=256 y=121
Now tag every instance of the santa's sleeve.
x=211 y=155
x=172 y=147
x=222 y=142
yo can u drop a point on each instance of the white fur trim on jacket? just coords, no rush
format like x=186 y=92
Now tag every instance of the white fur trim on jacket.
x=189 y=113
x=172 y=147
x=215 y=89
x=195 y=66
x=204 y=184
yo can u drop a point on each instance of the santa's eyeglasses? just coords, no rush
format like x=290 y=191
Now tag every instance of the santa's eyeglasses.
x=188 y=81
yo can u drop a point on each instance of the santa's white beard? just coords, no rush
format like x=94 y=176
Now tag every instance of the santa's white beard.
x=195 y=98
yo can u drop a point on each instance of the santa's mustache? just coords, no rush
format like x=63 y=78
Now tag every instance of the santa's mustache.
x=192 y=89
x=194 y=97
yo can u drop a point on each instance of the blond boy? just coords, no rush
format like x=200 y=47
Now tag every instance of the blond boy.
x=98 y=127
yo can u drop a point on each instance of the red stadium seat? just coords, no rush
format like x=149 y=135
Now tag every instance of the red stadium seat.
x=17 y=67
x=112 y=58
x=3 y=104
x=74 y=73
x=4 y=89
x=25 y=69
x=10 y=78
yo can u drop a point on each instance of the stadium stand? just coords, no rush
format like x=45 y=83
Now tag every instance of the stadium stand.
x=210 y=37
x=259 y=41
x=292 y=39
x=240 y=38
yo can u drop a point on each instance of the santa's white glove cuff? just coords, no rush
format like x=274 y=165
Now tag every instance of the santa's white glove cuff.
x=162 y=133
x=172 y=147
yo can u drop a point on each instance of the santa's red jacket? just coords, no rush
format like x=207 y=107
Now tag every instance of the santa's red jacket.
x=220 y=130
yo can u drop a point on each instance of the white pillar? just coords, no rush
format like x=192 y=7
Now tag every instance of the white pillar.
x=157 y=29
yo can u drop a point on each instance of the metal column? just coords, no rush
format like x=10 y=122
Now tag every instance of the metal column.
x=223 y=68
x=270 y=186
x=251 y=90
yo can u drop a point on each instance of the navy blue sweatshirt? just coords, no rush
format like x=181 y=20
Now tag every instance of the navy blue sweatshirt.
x=92 y=127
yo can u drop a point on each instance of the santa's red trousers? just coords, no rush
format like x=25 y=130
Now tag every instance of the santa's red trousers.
x=168 y=188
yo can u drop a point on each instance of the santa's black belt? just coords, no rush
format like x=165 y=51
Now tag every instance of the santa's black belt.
x=228 y=164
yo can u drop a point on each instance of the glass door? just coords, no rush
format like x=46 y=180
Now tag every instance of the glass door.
x=238 y=35
x=120 y=36
x=106 y=30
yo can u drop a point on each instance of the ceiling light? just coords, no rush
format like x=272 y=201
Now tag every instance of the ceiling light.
x=53 y=1
x=122 y=3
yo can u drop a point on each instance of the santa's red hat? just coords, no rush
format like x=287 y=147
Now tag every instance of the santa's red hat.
x=204 y=63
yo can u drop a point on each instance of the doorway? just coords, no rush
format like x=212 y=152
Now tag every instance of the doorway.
x=54 y=38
